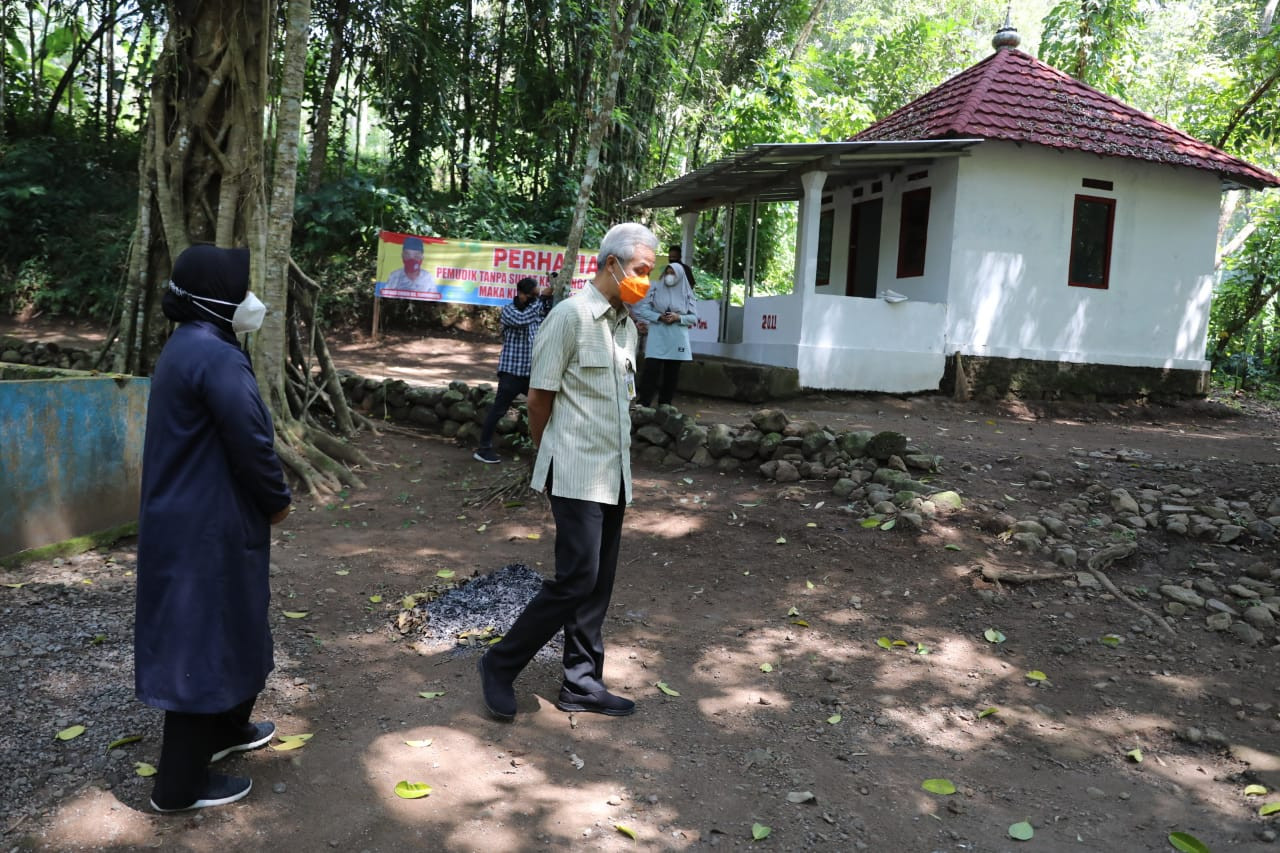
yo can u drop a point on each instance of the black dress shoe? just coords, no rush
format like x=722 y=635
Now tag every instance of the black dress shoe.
x=499 y=696
x=600 y=702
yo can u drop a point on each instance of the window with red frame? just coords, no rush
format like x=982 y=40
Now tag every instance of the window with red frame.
x=1092 y=225
x=913 y=233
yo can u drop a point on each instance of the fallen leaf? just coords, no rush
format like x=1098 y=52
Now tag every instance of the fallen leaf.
x=888 y=525
x=1036 y=675
x=808 y=584
x=884 y=643
x=409 y=602
x=482 y=528
x=902 y=643
x=143 y=769
x=1269 y=808
x=834 y=718
x=873 y=521
x=1011 y=500
x=625 y=830
x=800 y=622
x=1187 y=843
x=1136 y=755
x=1249 y=790
x=17 y=585
x=128 y=739
x=445 y=573
x=304 y=737
x=296 y=614
x=412 y=790
x=939 y=786
x=952 y=547
x=534 y=536
x=781 y=540
x=376 y=599
x=811 y=524
x=819 y=505
x=988 y=712
x=749 y=506
x=1110 y=640
x=759 y=832
x=793 y=612
x=801 y=797
x=431 y=694
x=766 y=667
x=687 y=481
x=419 y=743
x=342 y=572
x=662 y=685
x=993 y=636
x=922 y=649
x=1021 y=831
x=70 y=733
x=287 y=744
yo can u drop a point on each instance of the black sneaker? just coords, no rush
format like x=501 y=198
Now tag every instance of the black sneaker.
x=487 y=455
x=254 y=736
x=218 y=791
x=600 y=702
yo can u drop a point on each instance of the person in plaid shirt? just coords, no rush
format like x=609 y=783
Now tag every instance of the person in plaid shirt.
x=520 y=322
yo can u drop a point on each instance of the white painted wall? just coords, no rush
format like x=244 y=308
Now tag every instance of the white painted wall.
x=932 y=286
x=872 y=345
x=1008 y=290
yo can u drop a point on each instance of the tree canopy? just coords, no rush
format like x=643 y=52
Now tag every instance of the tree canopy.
x=474 y=119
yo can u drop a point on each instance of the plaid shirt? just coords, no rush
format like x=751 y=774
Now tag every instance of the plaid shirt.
x=519 y=327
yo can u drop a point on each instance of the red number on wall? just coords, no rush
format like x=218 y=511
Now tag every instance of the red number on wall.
x=769 y=321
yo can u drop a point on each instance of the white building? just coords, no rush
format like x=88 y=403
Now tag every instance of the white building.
x=1055 y=238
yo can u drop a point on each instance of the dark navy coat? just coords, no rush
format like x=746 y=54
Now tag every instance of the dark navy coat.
x=210 y=481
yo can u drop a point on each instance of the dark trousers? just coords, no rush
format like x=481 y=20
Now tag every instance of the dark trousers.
x=588 y=535
x=659 y=376
x=189 y=741
x=510 y=386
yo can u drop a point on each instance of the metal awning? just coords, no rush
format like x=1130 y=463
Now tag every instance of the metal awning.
x=771 y=171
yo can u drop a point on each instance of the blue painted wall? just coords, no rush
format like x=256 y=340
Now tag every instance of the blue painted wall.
x=70 y=457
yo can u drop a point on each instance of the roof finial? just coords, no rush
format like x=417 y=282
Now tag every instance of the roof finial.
x=1006 y=36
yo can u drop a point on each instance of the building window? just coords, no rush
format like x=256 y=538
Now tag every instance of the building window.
x=825 y=225
x=1091 y=228
x=913 y=233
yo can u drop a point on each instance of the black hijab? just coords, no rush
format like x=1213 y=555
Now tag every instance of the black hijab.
x=212 y=272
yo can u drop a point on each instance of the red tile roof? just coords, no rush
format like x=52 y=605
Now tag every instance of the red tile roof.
x=1013 y=96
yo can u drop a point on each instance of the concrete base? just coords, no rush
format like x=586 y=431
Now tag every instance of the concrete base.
x=738 y=380
x=1028 y=379
x=70 y=453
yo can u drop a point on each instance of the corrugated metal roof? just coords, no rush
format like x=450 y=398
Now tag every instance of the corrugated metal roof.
x=772 y=171
x=1013 y=96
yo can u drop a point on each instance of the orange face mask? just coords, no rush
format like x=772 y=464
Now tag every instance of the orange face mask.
x=632 y=288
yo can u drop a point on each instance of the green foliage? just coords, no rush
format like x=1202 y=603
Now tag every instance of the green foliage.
x=1094 y=41
x=66 y=214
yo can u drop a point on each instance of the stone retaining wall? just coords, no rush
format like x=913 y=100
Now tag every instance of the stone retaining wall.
x=1028 y=379
x=17 y=351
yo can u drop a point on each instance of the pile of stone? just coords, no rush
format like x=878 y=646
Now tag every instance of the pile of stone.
x=16 y=351
x=1249 y=607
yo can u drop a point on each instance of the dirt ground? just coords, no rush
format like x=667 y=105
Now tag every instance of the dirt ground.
x=761 y=606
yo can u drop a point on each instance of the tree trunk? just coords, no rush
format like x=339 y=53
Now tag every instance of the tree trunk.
x=324 y=107
x=601 y=119
x=202 y=177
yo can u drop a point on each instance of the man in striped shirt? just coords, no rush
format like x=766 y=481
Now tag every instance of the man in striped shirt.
x=582 y=381
x=520 y=322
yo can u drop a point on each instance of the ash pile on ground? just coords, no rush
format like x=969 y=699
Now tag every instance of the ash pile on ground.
x=491 y=601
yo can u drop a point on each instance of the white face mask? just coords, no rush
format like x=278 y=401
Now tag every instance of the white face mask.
x=248 y=316
x=669 y=279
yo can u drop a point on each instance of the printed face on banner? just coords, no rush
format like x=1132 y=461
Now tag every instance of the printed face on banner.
x=469 y=272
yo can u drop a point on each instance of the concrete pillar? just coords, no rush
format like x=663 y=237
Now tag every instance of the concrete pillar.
x=807 y=233
x=688 y=229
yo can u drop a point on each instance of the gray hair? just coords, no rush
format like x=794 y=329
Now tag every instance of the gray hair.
x=621 y=242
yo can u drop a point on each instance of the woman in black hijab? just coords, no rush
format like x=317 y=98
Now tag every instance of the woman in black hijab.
x=211 y=487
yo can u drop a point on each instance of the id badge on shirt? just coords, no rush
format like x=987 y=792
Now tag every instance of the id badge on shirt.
x=631 y=381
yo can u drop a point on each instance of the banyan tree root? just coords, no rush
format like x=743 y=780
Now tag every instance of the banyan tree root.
x=1104 y=559
x=995 y=574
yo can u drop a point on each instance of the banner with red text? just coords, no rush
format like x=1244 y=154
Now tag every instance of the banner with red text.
x=468 y=272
